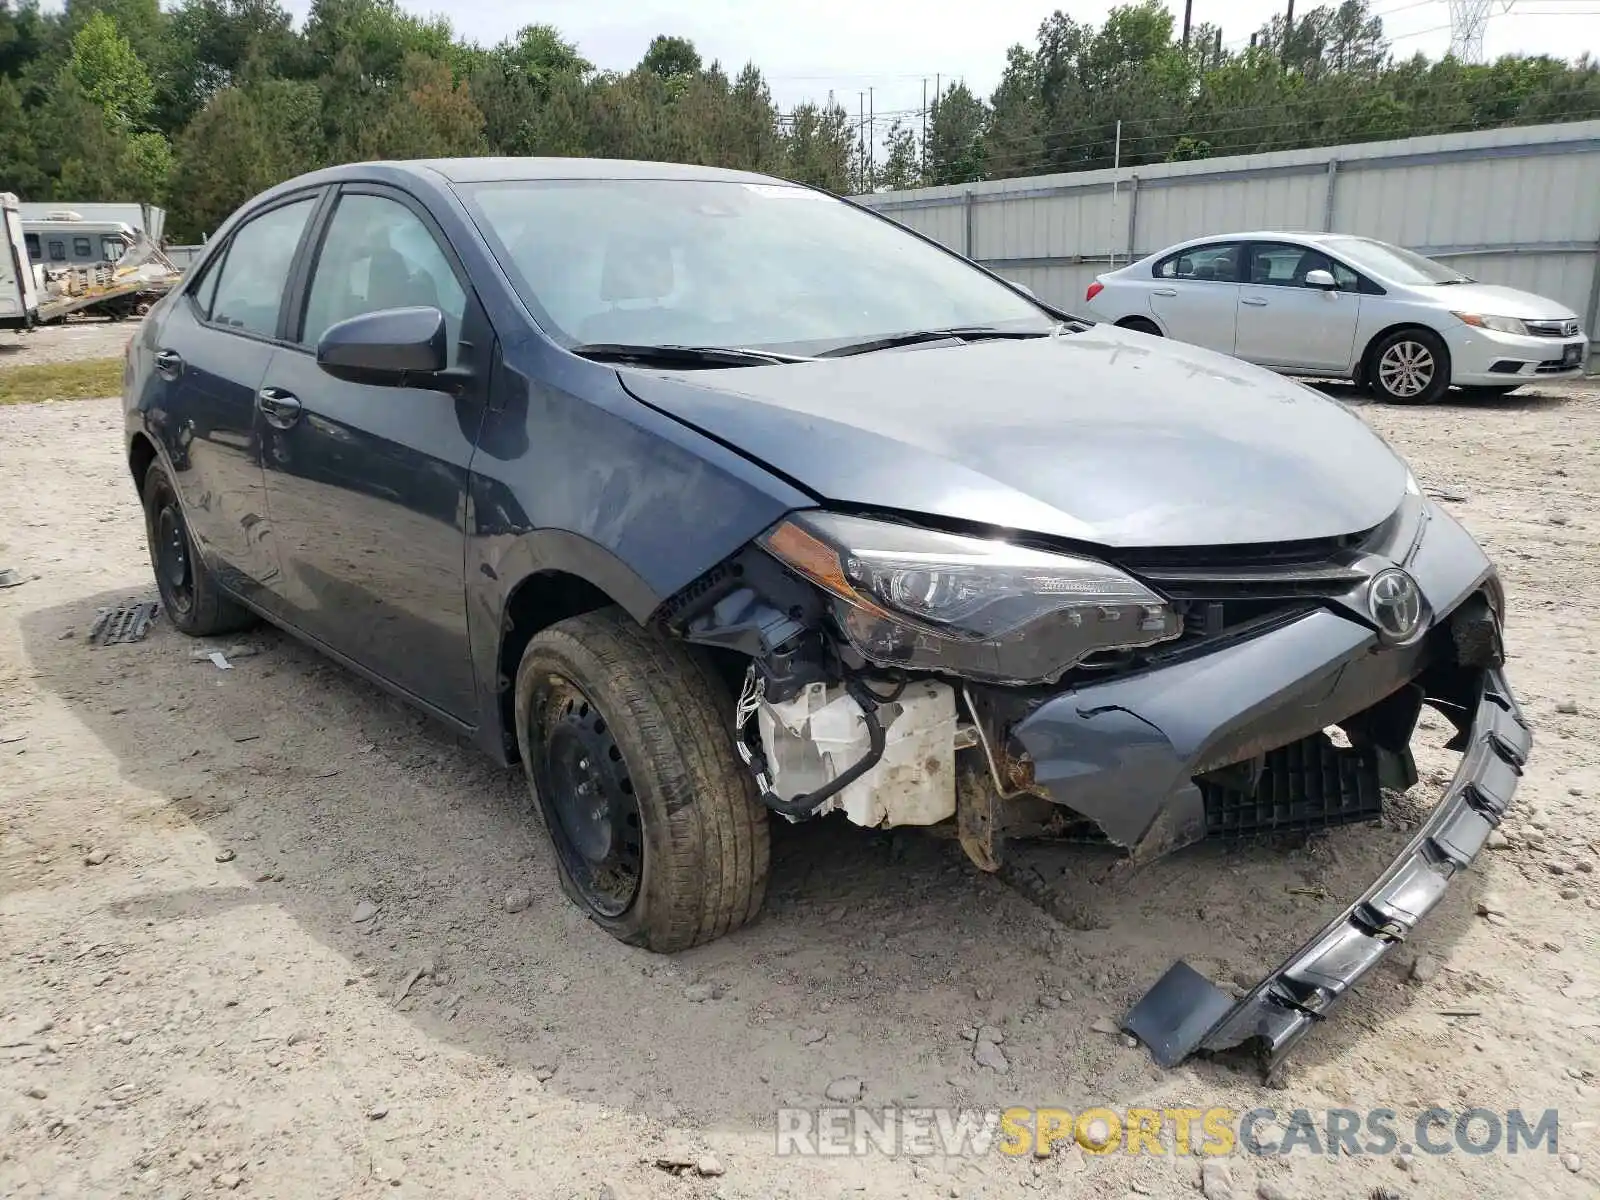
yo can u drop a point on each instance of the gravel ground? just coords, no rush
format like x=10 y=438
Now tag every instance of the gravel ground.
x=267 y=930
x=86 y=338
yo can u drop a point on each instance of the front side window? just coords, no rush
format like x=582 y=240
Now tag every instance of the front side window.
x=1215 y=264
x=249 y=288
x=726 y=263
x=1281 y=264
x=111 y=249
x=378 y=254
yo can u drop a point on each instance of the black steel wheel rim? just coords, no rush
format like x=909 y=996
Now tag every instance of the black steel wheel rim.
x=589 y=803
x=173 y=566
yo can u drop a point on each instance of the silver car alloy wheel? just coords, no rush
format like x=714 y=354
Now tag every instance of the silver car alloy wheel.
x=1406 y=369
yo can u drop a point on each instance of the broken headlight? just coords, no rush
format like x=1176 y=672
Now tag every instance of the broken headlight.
x=986 y=610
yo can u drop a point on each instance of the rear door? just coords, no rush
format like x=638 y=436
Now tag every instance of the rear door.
x=1286 y=323
x=210 y=352
x=367 y=484
x=1195 y=294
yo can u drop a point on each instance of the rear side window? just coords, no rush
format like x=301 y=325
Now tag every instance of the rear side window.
x=250 y=284
x=1216 y=264
x=58 y=251
x=81 y=248
x=378 y=254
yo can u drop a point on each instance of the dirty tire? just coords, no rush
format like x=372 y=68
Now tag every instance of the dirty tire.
x=1140 y=325
x=705 y=837
x=1409 y=366
x=190 y=597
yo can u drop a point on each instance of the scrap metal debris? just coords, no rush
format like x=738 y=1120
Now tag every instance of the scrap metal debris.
x=10 y=578
x=124 y=624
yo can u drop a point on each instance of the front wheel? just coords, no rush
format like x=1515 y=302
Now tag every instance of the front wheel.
x=1410 y=366
x=627 y=741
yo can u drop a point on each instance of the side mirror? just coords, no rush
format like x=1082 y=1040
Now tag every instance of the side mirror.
x=394 y=347
x=1321 y=279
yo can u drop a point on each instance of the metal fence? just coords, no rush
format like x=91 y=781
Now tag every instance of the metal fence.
x=1519 y=207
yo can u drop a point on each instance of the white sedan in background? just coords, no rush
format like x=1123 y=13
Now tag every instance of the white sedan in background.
x=1346 y=308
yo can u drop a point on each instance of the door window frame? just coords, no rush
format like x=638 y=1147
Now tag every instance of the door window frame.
x=300 y=278
x=1239 y=247
x=215 y=263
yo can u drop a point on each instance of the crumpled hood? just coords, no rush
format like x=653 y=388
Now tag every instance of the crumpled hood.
x=1492 y=300
x=1105 y=436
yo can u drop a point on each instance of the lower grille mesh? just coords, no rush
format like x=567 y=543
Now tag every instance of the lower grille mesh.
x=1307 y=785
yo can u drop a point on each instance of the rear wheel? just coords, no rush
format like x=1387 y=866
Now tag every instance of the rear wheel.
x=1140 y=325
x=626 y=739
x=189 y=593
x=1409 y=366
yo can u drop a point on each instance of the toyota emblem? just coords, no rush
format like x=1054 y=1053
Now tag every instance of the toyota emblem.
x=1395 y=602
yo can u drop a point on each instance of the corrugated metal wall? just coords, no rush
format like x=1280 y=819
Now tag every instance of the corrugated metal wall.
x=1513 y=206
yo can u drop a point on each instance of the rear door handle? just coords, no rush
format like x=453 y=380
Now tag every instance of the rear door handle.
x=1165 y=292
x=281 y=408
x=1254 y=302
x=169 y=363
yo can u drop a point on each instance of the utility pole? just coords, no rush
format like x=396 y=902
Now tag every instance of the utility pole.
x=1188 y=12
x=1216 y=52
x=861 y=142
x=872 y=138
x=924 y=128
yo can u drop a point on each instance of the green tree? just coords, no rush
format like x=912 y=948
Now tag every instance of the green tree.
x=671 y=56
x=245 y=140
x=110 y=73
x=429 y=115
x=19 y=157
x=818 y=147
x=956 y=132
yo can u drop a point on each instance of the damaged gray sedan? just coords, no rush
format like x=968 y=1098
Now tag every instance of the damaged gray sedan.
x=705 y=496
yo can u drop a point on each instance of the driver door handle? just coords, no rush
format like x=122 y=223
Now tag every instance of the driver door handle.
x=281 y=408
x=1254 y=302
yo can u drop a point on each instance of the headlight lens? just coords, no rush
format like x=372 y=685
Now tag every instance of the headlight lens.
x=1498 y=324
x=981 y=609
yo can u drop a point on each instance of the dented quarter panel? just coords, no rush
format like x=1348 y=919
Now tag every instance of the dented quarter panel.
x=573 y=475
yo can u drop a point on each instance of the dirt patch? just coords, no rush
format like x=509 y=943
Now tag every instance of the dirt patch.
x=266 y=929
x=67 y=342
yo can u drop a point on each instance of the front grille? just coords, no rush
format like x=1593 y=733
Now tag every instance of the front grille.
x=1304 y=786
x=1552 y=329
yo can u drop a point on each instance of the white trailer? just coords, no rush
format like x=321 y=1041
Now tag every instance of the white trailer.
x=19 y=286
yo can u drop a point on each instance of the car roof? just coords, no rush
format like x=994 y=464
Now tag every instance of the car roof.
x=494 y=170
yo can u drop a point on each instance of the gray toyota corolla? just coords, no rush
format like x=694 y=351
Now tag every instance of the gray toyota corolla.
x=706 y=496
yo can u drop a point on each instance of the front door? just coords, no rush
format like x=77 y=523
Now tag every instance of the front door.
x=211 y=351
x=367 y=484
x=1284 y=322
x=1195 y=294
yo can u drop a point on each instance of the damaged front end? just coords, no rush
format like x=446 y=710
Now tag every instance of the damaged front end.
x=1150 y=699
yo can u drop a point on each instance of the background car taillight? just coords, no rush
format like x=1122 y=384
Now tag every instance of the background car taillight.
x=1095 y=289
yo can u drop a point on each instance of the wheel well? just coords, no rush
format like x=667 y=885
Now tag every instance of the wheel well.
x=1365 y=365
x=1138 y=323
x=140 y=455
x=537 y=603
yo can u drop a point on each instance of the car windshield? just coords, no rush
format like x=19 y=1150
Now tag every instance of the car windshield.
x=1394 y=264
x=652 y=262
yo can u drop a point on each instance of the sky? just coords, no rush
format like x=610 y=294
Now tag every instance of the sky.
x=890 y=46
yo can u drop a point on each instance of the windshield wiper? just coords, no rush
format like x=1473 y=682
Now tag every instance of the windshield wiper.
x=963 y=333
x=683 y=356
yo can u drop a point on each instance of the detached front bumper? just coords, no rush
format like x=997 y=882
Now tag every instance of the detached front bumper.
x=1185 y=1013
